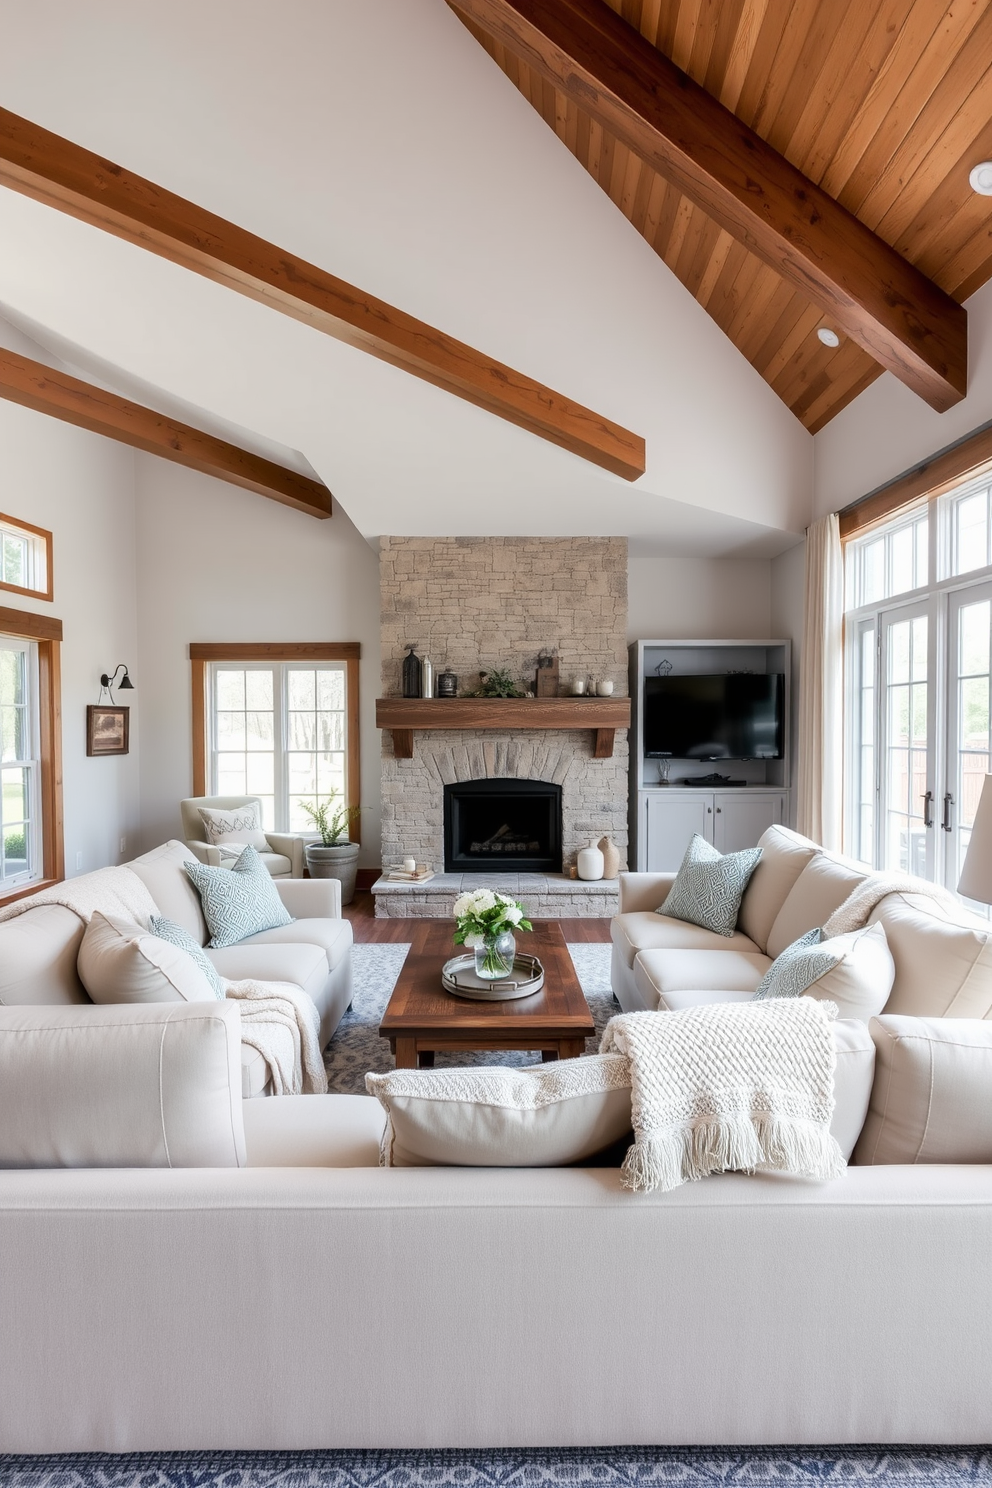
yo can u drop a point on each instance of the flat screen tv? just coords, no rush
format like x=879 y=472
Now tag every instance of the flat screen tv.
x=736 y=715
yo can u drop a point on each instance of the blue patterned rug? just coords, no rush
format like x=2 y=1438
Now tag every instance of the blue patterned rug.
x=619 y=1467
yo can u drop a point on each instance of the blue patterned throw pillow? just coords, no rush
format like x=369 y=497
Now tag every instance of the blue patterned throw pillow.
x=169 y=931
x=708 y=887
x=797 y=968
x=239 y=901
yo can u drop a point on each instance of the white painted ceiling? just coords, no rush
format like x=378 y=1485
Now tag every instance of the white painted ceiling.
x=378 y=141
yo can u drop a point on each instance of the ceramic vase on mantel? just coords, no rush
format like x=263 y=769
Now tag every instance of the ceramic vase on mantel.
x=589 y=862
x=611 y=857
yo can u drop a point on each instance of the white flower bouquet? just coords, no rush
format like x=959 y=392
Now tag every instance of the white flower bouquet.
x=483 y=919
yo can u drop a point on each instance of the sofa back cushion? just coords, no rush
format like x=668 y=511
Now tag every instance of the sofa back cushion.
x=943 y=958
x=823 y=884
x=123 y=962
x=853 y=1076
x=121 y=1087
x=784 y=855
x=163 y=874
x=930 y=1099
x=38 y=951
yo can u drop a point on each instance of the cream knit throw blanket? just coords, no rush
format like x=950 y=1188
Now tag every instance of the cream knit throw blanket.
x=729 y=1086
x=282 y=1023
x=111 y=891
x=857 y=907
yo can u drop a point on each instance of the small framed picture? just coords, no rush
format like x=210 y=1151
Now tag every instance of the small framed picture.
x=107 y=729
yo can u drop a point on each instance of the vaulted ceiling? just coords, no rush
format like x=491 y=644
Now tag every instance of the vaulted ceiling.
x=885 y=105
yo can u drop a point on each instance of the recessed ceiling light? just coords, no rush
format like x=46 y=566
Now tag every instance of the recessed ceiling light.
x=980 y=178
x=828 y=337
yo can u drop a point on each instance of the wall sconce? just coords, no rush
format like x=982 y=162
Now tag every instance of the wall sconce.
x=107 y=682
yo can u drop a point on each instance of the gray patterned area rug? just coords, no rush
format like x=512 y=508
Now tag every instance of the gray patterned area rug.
x=608 y=1467
x=356 y=1047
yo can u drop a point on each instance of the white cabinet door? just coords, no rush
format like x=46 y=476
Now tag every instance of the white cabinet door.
x=739 y=820
x=669 y=822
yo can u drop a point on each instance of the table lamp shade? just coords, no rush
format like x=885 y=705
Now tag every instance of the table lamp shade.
x=976 y=875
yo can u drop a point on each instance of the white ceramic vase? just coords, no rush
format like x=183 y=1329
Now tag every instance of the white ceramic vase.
x=590 y=862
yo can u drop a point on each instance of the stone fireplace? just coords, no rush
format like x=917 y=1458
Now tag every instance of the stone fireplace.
x=482 y=603
x=502 y=826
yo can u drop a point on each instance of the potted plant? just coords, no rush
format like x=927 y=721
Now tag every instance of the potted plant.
x=334 y=856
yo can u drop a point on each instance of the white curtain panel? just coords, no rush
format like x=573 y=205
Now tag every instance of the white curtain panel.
x=820 y=781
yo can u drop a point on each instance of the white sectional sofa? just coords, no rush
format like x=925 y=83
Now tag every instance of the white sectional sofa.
x=295 y=1295
x=38 y=949
x=942 y=955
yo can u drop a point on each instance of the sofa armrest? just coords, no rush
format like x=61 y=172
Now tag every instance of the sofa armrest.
x=291 y=847
x=206 y=853
x=311 y=898
x=643 y=890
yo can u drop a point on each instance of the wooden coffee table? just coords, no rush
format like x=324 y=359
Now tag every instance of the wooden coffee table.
x=422 y=1018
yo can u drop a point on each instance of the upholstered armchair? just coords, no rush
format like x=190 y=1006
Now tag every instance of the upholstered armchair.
x=284 y=858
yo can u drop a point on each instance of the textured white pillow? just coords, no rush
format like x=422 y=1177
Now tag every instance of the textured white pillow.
x=856 y=971
x=493 y=1117
x=237 y=825
x=121 y=962
x=121 y=1087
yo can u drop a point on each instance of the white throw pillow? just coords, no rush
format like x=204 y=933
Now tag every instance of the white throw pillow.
x=493 y=1117
x=856 y=971
x=930 y=1099
x=237 y=825
x=121 y=962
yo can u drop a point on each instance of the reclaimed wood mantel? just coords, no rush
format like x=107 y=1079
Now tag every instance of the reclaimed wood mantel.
x=406 y=715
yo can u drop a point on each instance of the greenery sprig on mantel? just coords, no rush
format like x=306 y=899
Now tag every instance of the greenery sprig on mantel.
x=498 y=683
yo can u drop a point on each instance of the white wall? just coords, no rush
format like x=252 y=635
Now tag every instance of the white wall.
x=674 y=597
x=216 y=563
x=888 y=430
x=80 y=487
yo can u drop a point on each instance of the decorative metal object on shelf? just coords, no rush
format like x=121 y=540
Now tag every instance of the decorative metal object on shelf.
x=663 y=668
x=546 y=680
x=412 y=673
x=427 y=678
x=459 y=978
x=447 y=684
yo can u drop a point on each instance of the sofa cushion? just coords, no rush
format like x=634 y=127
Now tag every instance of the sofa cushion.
x=237 y=825
x=255 y=1073
x=708 y=886
x=784 y=855
x=659 y=973
x=335 y=937
x=162 y=871
x=943 y=958
x=494 y=1117
x=854 y=970
x=121 y=962
x=238 y=901
x=175 y=935
x=121 y=1087
x=38 y=955
x=314 y=1131
x=853 y=1077
x=306 y=965
x=641 y=930
x=930 y=1102
x=824 y=884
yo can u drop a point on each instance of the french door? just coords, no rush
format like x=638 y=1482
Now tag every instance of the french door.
x=969 y=740
x=906 y=766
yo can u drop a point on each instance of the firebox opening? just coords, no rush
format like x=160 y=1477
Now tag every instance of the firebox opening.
x=513 y=825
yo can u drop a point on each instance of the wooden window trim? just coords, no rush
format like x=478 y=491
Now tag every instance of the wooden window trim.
x=48 y=593
x=202 y=653
x=965 y=460
x=46 y=632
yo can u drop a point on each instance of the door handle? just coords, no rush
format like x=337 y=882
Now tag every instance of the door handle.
x=948 y=803
x=927 y=813
x=718 y=810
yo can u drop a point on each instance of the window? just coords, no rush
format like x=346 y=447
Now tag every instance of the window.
x=25 y=558
x=30 y=752
x=282 y=726
x=919 y=683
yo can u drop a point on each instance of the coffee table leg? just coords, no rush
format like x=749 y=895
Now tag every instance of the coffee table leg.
x=571 y=1048
x=548 y=1056
x=406 y=1053
x=425 y=1058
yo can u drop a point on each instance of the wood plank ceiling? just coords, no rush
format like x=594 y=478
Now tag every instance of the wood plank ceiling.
x=886 y=104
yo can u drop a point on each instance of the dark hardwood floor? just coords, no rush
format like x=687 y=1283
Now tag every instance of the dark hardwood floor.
x=361 y=913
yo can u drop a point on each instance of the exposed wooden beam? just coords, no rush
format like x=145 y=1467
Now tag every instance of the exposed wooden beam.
x=37 y=386
x=618 y=78
x=50 y=169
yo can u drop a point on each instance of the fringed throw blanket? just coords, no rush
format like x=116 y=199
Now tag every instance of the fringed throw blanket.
x=282 y=1023
x=111 y=891
x=747 y=1086
x=857 y=907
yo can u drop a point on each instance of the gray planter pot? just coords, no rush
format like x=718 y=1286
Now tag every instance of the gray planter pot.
x=340 y=862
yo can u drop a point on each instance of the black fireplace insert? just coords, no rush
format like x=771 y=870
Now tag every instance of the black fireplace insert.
x=513 y=825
